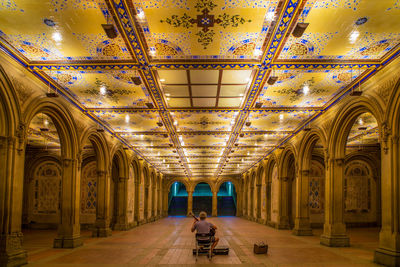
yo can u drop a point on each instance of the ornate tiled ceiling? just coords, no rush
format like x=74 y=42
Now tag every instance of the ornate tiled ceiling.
x=204 y=106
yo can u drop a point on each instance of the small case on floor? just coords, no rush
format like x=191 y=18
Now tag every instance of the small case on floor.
x=260 y=248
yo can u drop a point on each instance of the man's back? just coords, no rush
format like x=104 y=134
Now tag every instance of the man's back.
x=203 y=227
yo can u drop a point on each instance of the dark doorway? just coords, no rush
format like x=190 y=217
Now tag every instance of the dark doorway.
x=177 y=200
x=202 y=199
x=227 y=200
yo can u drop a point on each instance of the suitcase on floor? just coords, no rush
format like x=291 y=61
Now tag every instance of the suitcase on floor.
x=217 y=251
x=260 y=248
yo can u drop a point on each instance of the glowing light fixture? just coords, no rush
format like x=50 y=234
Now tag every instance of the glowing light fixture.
x=306 y=89
x=140 y=15
x=257 y=52
x=127 y=118
x=354 y=36
x=56 y=37
x=103 y=90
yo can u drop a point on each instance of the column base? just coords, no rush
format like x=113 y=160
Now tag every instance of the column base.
x=141 y=222
x=387 y=257
x=65 y=242
x=102 y=232
x=121 y=227
x=260 y=220
x=11 y=259
x=302 y=232
x=335 y=241
x=11 y=251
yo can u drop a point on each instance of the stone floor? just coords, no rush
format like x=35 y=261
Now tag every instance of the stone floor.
x=169 y=241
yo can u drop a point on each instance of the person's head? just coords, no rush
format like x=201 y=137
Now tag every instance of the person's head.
x=203 y=215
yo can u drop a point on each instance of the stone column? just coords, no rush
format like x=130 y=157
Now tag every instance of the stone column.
x=159 y=203
x=239 y=208
x=68 y=234
x=258 y=208
x=165 y=192
x=102 y=224
x=146 y=204
x=214 y=204
x=388 y=252
x=302 y=221
x=245 y=202
x=136 y=214
x=283 y=203
x=268 y=203
x=122 y=210
x=153 y=203
x=190 y=203
x=251 y=198
x=334 y=234
x=11 y=183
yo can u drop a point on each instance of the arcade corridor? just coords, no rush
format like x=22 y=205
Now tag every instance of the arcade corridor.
x=169 y=241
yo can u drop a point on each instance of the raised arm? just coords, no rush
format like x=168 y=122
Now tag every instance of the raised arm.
x=193 y=226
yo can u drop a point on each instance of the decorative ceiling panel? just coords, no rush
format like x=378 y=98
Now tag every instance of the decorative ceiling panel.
x=60 y=30
x=306 y=88
x=42 y=132
x=205 y=29
x=364 y=131
x=139 y=121
x=204 y=120
x=205 y=140
x=276 y=121
x=103 y=89
x=361 y=29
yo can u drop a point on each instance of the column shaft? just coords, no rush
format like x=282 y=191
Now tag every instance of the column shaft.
x=190 y=203
x=102 y=224
x=302 y=221
x=214 y=204
x=334 y=234
x=11 y=186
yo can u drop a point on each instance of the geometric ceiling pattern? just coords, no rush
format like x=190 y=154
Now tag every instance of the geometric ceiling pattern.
x=186 y=84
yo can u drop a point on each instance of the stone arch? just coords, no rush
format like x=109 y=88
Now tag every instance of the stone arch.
x=62 y=120
x=392 y=114
x=180 y=180
x=202 y=181
x=307 y=145
x=99 y=145
x=345 y=120
x=10 y=112
x=235 y=182
x=284 y=160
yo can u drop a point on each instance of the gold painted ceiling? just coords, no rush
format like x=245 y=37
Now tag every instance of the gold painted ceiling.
x=203 y=107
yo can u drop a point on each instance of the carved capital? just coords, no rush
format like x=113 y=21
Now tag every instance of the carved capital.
x=395 y=139
x=67 y=162
x=339 y=161
x=101 y=173
x=305 y=172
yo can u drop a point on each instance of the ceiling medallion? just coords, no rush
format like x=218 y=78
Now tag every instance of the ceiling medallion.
x=204 y=122
x=205 y=21
x=361 y=21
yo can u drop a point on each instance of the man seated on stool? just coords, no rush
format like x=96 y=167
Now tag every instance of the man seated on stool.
x=204 y=227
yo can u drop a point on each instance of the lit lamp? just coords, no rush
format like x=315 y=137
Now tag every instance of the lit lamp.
x=299 y=29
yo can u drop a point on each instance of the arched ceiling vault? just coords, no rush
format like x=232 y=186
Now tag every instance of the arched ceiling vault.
x=204 y=106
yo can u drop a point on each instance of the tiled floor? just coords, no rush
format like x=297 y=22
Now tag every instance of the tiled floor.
x=169 y=241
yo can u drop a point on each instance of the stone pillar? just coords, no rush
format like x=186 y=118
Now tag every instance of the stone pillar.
x=239 y=208
x=388 y=252
x=283 y=203
x=122 y=211
x=334 y=234
x=102 y=224
x=153 y=203
x=68 y=234
x=245 y=202
x=268 y=203
x=136 y=215
x=251 y=198
x=165 y=192
x=258 y=208
x=214 y=204
x=190 y=203
x=158 y=203
x=146 y=204
x=302 y=225
x=11 y=187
